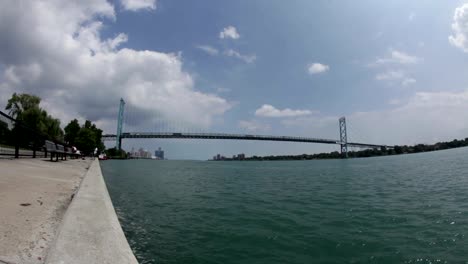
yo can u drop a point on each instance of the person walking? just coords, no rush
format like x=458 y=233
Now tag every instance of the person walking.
x=95 y=153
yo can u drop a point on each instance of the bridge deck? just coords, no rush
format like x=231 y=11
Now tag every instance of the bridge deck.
x=236 y=137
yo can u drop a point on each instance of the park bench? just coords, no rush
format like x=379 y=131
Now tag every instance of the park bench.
x=55 y=150
x=61 y=151
x=67 y=152
x=51 y=148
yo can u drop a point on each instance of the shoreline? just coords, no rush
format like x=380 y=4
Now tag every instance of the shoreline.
x=90 y=231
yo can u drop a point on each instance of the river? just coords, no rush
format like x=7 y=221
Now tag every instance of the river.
x=396 y=209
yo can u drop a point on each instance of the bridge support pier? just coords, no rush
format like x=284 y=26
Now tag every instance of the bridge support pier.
x=343 y=138
x=118 y=142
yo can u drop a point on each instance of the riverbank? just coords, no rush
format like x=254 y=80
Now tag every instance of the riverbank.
x=90 y=231
x=366 y=153
x=34 y=195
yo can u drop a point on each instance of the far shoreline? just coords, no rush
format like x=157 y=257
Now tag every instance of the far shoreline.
x=367 y=153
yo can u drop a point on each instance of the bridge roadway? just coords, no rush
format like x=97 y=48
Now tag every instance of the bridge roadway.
x=108 y=137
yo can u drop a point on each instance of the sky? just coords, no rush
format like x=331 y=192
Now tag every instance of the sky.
x=397 y=70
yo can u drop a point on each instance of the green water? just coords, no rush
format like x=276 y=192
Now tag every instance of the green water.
x=400 y=209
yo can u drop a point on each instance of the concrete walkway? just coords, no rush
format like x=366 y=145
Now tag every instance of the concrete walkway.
x=34 y=195
x=90 y=232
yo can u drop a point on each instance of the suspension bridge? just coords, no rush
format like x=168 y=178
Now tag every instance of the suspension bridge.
x=342 y=141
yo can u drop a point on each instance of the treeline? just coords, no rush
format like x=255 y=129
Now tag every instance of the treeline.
x=114 y=153
x=383 y=151
x=86 y=137
x=26 y=110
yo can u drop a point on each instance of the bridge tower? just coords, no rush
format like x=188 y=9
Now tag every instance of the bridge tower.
x=343 y=138
x=118 y=142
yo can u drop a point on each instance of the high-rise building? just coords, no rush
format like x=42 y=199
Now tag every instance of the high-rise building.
x=159 y=154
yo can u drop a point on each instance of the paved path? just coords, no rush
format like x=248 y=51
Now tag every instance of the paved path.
x=34 y=195
x=90 y=232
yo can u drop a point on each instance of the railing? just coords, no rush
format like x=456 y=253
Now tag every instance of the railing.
x=18 y=140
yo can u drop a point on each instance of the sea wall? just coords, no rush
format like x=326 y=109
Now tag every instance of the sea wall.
x=90 y=231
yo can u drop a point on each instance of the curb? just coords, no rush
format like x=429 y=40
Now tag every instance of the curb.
x=90 y=231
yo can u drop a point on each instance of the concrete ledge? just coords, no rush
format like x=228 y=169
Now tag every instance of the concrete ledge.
x=90 y=231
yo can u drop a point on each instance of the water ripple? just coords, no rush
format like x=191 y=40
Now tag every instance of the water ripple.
x=402 y=209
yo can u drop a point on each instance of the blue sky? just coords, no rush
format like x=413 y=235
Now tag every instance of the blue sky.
x=267 y=67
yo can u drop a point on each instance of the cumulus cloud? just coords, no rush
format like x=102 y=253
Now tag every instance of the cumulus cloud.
x=316 y=68
x=425 y=117
x=54 y=49
x=460 y=28
x=246 y=58
x=270 y=111
x=135 y=5
x=254 y=126
x=229 y=32
x=208 y=49
x=397 y=57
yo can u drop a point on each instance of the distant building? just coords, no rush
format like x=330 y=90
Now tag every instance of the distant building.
x=139 y=154
x=219 y=157
x=159 y=154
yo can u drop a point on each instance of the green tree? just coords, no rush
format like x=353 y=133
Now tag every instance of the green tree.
x=89 y=137
x=26 y=109
x=85 y=140
x=398 y=150
x=114 y=153
x=71 y=132
x=51 y=127
x=19 y=103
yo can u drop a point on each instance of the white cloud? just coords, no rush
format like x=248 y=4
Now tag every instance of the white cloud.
x=390 y=76
x=395 y=76
x=460 y=28
x=208 y=49
x=397 y=57
x=254 y=126
x=230 y=53
x=315 y=68
x=408 y=81
x=270 y=111
x=426 y=117
x=411 y=16
x=135 y=5
x=236 y=54
x=229 y=32
x=54 y=49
